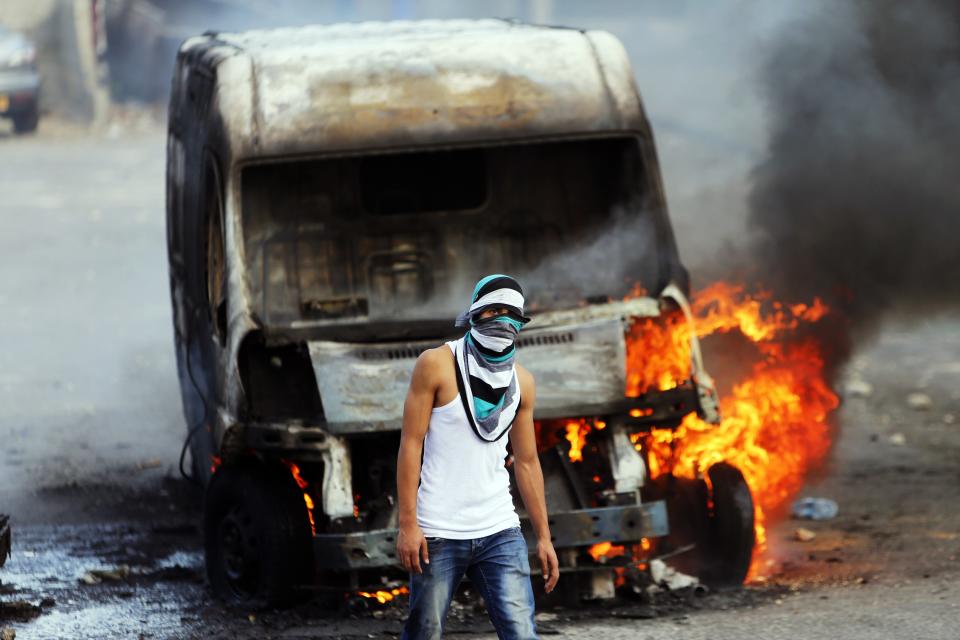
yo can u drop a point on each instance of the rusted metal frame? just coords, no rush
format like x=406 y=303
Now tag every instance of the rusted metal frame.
x=708 y=407
x=371 y=549
x=660 y=409
x=313 y=444
x=572 y=478
x=310 y=440
x=605 y=524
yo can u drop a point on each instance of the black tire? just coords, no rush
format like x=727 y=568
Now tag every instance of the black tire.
x=718 y=525
x=27 y=121
x=689 y=521
x=256 y=537
x=729 y=549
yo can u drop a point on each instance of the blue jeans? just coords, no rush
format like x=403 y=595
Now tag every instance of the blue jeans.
x=498 y=568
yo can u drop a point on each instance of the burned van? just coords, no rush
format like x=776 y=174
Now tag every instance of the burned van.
x=333 y=192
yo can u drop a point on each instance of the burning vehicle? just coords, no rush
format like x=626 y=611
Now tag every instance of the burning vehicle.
x=331 y=193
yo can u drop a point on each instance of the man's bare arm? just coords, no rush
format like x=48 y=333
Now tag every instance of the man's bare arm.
x=530 y=478
x=411 y=543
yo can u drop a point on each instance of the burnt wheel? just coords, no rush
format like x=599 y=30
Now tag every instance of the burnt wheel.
x=711 y=526
x=729 y=546
x=256 y=537
x=689 y=521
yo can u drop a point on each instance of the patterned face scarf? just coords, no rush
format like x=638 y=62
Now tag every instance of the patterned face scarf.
x=486 y=375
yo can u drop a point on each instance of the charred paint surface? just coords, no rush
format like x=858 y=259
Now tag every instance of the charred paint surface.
x=379 y=84
x=579 y=368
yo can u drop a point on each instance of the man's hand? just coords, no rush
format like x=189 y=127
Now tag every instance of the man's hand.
x=410 y=544
x=548 y=564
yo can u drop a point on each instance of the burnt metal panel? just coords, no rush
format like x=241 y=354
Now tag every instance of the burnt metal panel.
x=581 y=366
x=606 y=524
x=660 y=409
x=360 y=550
x=363 y=386
x=378 y=85
x=285 y=438
x=577 y=367
x=578 y=528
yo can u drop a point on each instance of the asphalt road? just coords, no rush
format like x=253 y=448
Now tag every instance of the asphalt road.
x=85 y=336
x=91 y=427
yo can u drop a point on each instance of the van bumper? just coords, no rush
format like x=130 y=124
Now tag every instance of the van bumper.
x=578 y=528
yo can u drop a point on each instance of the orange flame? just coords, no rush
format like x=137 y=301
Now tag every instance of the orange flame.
x=384 y=597
x=577 y=431
x=603 y=550
x=774 y=422
x=303 y=484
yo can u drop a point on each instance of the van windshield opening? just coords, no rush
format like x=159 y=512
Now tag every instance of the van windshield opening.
x=406 y=235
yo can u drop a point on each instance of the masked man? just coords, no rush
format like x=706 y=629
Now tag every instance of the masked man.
x=464 y=398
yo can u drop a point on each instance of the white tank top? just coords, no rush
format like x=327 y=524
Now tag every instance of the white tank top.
x=464 y=486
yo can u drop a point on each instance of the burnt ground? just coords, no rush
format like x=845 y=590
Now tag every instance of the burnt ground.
x=91 y=427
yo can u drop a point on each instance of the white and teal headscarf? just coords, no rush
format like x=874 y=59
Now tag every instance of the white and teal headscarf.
x=486 y=372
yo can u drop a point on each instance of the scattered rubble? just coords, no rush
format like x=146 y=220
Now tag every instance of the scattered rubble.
x=8 y=634
x=667 y=577
x=815 y=509
x=897 y=439
x=857 y=387
x=804 y=535
x=153 y=463
x=919 y=401
x=96 y=576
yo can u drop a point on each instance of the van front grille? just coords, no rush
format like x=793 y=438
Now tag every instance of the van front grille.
x=412 y=352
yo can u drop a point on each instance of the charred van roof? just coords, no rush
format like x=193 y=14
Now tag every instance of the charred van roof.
x=396 y=84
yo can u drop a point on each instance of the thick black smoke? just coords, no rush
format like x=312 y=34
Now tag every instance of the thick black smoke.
x=858 y=197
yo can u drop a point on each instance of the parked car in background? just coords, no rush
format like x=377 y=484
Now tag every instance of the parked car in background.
x=19 y=81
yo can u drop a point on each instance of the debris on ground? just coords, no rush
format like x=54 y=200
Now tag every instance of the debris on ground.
x=21 y=610
x=669 y=578
x=153 y=463
x=96 y=576
x=857 y=387
x=815 y=509
x=8 y=634
x=804 y=535
x=897 y=439
x=919 y=401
